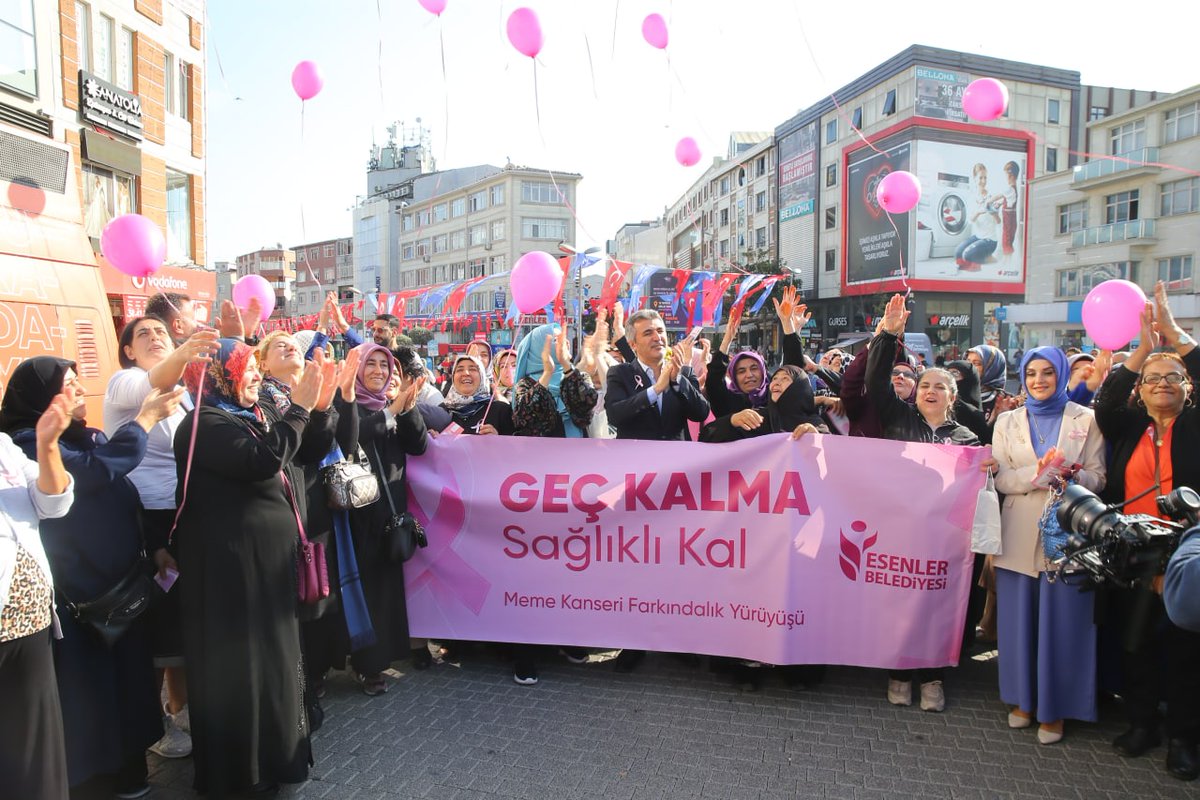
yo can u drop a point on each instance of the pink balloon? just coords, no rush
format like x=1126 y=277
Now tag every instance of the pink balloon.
x=134 y=245
x=307 y=80
x=654 y=31
x=898 y=192
x=525 y=32
x=250 y=286
x=435 y=7
x=985 y=99
x=1112 y=313
x=687 y=152
x=535 y=281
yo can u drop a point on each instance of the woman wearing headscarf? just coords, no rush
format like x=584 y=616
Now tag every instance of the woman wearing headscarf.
x=992 y=369
x=280 y=356
x=503 y=371
x=109 y=695
x=240 y=519
x=738 y=382
x=1147 y=411
x=551 y=398
x=470 y=401
x=390 y=428
x=1047 y=639
x=32 y=758
x=790 y=404
x=929 y=419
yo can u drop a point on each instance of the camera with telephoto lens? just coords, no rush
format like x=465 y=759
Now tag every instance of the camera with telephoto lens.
x=1126 y=550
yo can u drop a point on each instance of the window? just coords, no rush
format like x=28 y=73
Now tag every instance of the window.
x=889 y=103
x=440 y=213
x=498 y=230
x=106 y=48
x=724 y=217
x=458 y=240
x=169 y=83
x=1073 y=217
x=1078 y=281
x=760 y=238
x=831 y=131
x=831 y=175
x=760 y=167
x=479 y=235
x=724 y=248
x=477 y=201
x=458 y=207
x=532 y=228
x=329 y=275
x=1179 y=197
x=1121 y=207
x=760 y=201
x=497 y=264
x=83 y=34
x=407 y=252
x=125 y=59
x=539 y=192
x=1180 y=123
x=856 y=118
x=423 y=217
x=1051 y=159
x=105 y=195
x=299 y=256
x=1097 y=112
x=328 y=249
x=1127 y=137
x=497 y=193
x=742 y=176
x=1052 y=107
x=179 y=217
x=1176 y=272
x=724 y=186
x=184 y=103
x=440 y=243
x=831 y=218
x=406 y=222
x=20 y=53
x=830 y=260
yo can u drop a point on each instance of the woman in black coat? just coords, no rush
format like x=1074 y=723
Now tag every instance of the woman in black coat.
x=390 y=428
x=470 y=402
x=109 y=697
x=238 y=535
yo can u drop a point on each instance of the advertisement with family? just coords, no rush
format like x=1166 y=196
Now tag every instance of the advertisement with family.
x=971 y=216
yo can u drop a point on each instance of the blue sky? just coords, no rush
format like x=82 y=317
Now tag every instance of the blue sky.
x=614 y=118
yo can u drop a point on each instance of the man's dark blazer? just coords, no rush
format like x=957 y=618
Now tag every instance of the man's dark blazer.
x=633 y=415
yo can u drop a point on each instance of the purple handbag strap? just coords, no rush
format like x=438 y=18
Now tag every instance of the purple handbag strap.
x=291 y=496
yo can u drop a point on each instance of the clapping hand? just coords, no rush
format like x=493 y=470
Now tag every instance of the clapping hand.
x=406 y=397
x=330 y=378
x=349 y=374
x=308 y=388
x=158 y=406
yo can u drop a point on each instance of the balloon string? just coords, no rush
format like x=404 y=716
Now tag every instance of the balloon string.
x=187 y=470
x=304 y=192
x=379 y=55
x=900 y=252
x=616 y=14
x=537 y=106
x=591 y=68
x=445 y=95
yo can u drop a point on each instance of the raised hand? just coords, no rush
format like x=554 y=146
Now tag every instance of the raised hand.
x=731 y=328
x=800 y=317
x=406 y=397
x=230 y=321
x=547 y=362
x=349 y=374
x=1148 y=340
x=1166 y=326
x=618 y=321
x=54 y=420
x=681 y=353
x=1100 y=369
x=158 y=406
x=199 y=347
x=330 y=378
x=308 y=388
x=895 y=315
x=562 y=349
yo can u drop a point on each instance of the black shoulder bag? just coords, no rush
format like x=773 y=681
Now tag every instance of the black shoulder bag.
x=402 y=534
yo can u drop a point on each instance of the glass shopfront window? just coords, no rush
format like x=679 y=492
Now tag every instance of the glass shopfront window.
x=106 y=194
x=948 y=325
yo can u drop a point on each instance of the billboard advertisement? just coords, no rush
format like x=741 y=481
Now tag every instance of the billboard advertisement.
x=875 y=248
x=798 y=172
x=939 y=94
x=970 y=219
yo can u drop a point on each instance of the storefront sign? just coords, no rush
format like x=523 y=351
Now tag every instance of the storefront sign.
x=837 y=322
x=950 y=320
x=198 y=284
x=109 y=107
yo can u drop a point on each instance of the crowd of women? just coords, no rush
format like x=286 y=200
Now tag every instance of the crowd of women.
x=210 y=475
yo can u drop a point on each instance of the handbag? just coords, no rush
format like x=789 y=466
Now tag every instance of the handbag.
x=312 y=571
x=111 y=614
x=985 y=531
x=350 y=483
x=402 y=535
x=1054 y=538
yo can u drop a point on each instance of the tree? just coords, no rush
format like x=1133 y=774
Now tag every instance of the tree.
x=403 y=341
x=419 y=336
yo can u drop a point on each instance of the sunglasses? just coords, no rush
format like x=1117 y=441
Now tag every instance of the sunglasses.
x=902 y=372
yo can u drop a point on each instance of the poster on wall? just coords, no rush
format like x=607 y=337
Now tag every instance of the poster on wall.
x=971 y=217
x=798 y=173
x=875 y=248
x=939 y=94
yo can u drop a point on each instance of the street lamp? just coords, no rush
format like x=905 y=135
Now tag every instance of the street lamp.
x=577 y=262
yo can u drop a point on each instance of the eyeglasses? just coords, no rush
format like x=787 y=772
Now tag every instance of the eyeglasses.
x=1173 y=378
x=899 y=372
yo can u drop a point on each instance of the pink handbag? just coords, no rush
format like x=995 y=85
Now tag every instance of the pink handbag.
x=312 y=573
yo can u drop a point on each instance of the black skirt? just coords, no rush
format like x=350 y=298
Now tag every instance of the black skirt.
x=33 y=759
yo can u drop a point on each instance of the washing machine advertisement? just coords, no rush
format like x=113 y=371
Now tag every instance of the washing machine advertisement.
x=971 y=216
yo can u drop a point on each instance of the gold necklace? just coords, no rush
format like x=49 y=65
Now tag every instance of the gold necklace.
x=1041 y=439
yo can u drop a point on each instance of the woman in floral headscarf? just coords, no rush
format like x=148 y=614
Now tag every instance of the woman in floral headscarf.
x=238 y=533
x=503 y=367
x=990 y=365
x=470 y=400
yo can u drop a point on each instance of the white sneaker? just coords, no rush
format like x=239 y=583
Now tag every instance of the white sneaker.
x=183 y=720
x=933 y=696
x=175 y=743
x=900 y=692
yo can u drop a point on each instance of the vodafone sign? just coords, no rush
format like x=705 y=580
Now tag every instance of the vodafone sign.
x=198 y=284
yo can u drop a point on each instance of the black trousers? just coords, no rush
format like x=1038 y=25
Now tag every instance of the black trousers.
x=33 y=757
x=1161 y=661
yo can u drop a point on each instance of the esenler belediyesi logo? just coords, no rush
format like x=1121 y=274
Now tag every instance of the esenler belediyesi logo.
x=881 y=568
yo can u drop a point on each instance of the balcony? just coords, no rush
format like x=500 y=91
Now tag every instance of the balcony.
x=1126 y=165
x=1117 y=232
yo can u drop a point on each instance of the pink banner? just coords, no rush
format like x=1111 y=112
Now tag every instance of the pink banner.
x=830 y=550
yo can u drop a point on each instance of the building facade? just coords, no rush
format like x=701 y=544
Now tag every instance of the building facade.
x=640 y=243
x=1131 y=215
x=326 y=266
x=278 y=266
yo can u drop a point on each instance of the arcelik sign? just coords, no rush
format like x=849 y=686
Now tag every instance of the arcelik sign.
x=950 y=320
x=766 y=549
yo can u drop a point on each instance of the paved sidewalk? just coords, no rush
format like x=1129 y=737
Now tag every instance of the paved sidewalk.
x=673 y=731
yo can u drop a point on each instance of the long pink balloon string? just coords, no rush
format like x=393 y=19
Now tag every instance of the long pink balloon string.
x=187 y=470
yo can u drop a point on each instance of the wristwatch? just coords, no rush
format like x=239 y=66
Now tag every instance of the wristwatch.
x=1185 y=340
